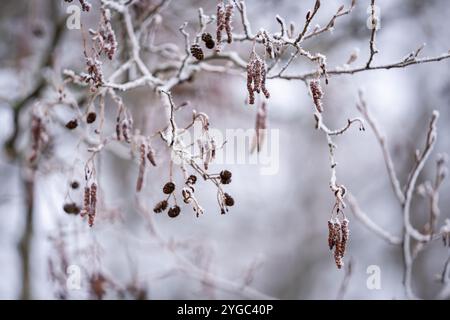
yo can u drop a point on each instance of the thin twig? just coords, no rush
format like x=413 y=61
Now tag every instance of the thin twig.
x=374 y=25
x=362 y=107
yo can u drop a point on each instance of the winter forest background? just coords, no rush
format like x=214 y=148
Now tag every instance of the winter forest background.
x=272 y=243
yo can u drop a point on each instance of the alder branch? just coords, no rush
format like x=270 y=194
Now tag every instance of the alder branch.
x=374 y=25
x=309 y=17
x=369 y=223
x=410 y=231
x=351 y=71
x=330 y=25
x=362 y=107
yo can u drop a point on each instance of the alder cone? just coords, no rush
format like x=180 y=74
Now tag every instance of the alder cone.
x=225 y=177
x=74 y=184
x=206 y=37
x=197 y=52
x=72 y=124
x=91 y=117
x=71 y=208
x=174 y=211
x=169 y=187
x=229 y=201
x=208 y=40
x=160 y=206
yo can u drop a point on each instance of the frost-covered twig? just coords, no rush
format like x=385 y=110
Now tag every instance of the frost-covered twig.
x=362 y=107
x=346 y=71
x=369 y=223
x=374 y=26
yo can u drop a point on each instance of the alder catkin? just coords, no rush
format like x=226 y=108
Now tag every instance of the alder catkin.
x=331 y=235
x=263 y=80
x=85 y=6
x=151 y=156
x=338 y=244
x=93 y=204
x=228 y=21
x=86 y=201
x=220 y=16
x=257 y=75
x=345 y=235
x=140 y=179
x=317 y=94
x=251 y=92
x=337 y=256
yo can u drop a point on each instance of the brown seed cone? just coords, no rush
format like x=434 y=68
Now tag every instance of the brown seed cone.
x=225 y=177
x=206 y=37
x=229 y=201
x=74 y=184
x=192 y=179
x=91 y=116
x=174 y=211
x=72 y=124
x=210 y=44
x=197 y=52
x=71 y=208
x=160 y=206
x=208 y=40
x=169 y=187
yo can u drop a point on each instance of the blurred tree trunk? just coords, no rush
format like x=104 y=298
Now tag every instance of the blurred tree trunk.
x=28 y=179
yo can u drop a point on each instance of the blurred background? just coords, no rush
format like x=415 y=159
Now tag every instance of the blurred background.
x=274 y=239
